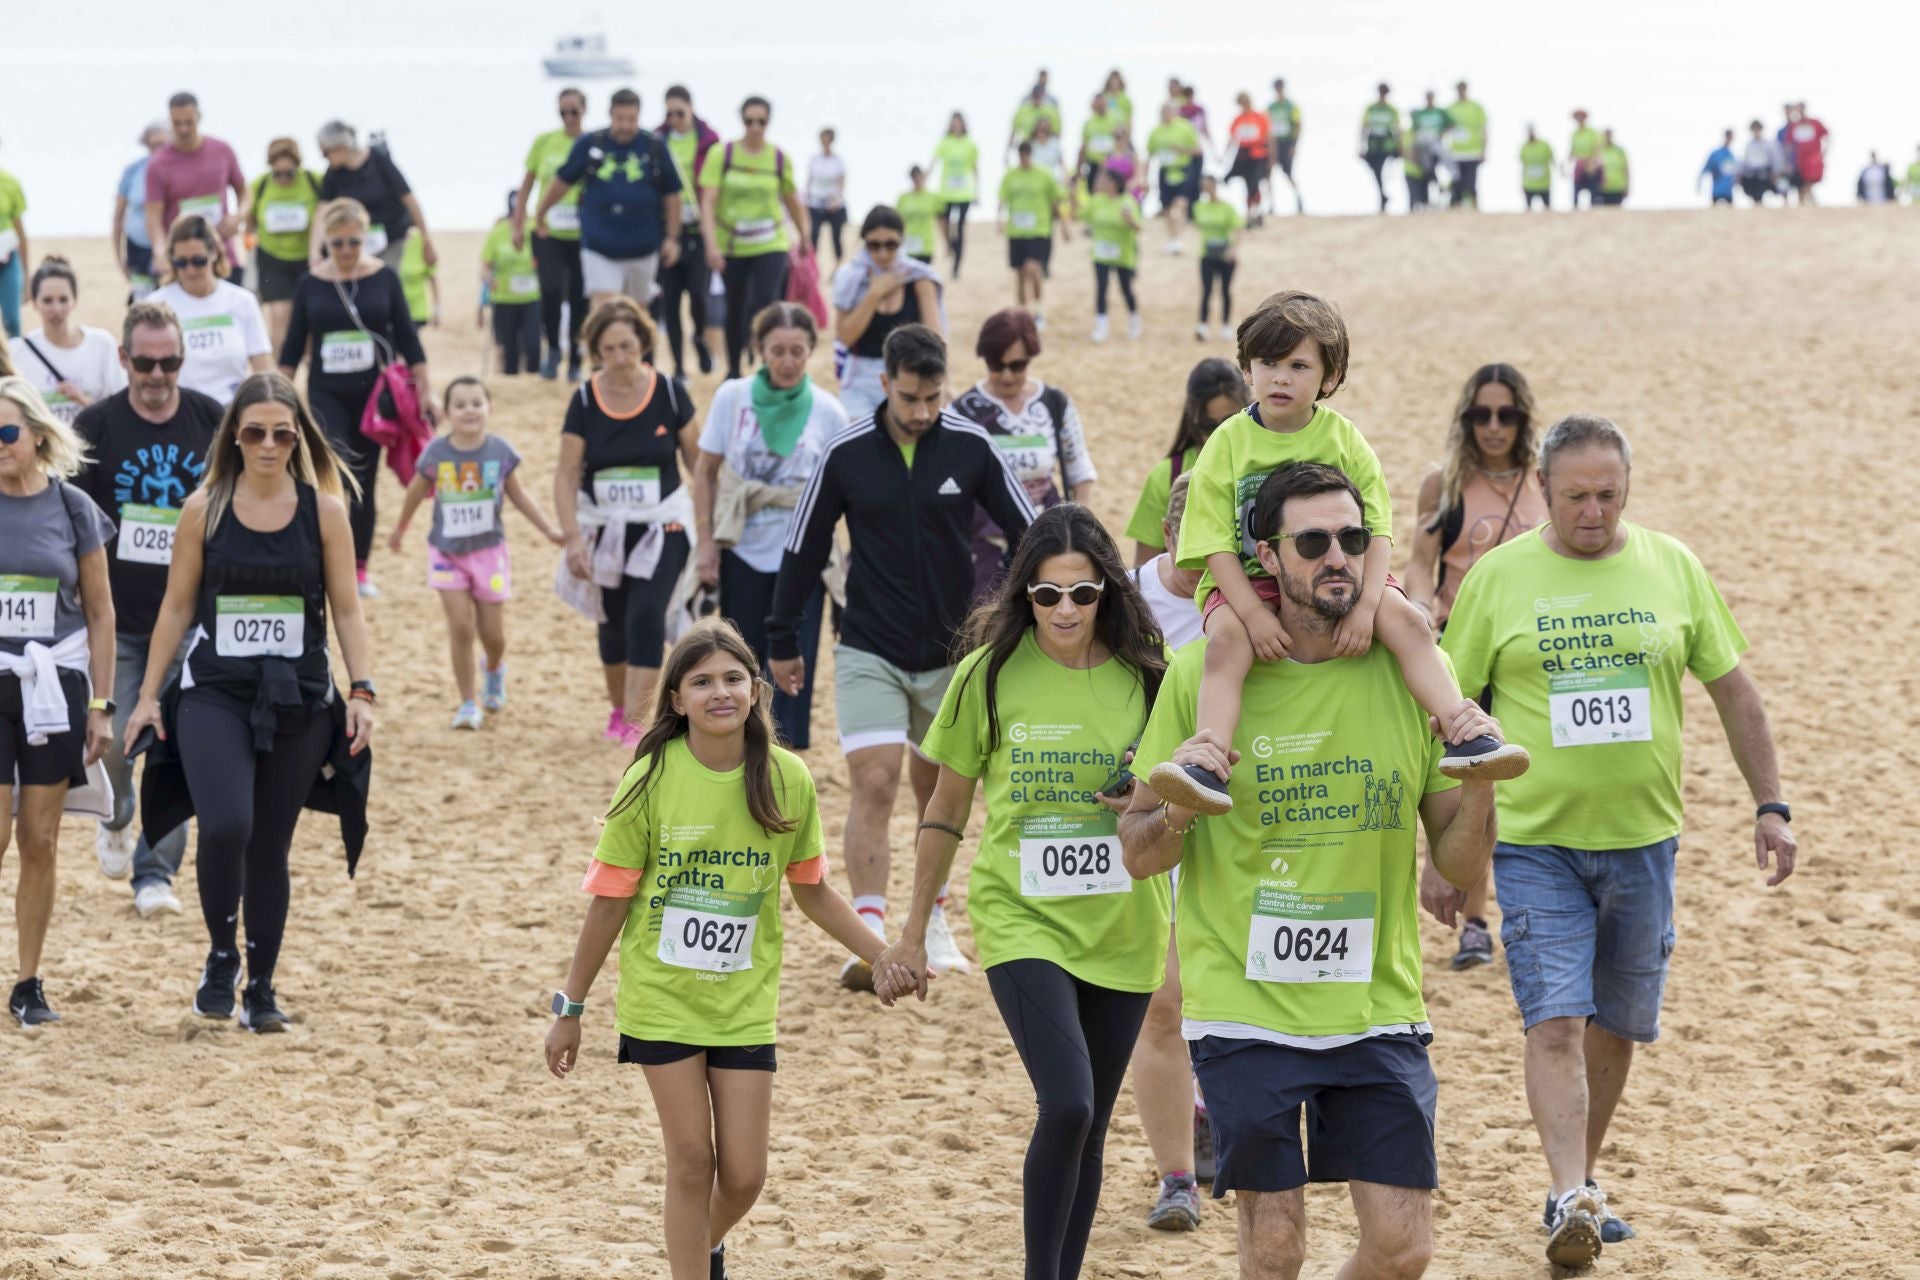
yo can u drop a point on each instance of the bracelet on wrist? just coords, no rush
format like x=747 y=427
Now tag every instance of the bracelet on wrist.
x=1166 y=820
x=955 y=832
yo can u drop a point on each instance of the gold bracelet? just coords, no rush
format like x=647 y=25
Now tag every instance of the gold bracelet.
x=1167 y=822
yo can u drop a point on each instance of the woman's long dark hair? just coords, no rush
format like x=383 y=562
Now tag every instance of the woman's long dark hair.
x=704 y=639
x=1211 y=377
x=1124 y=623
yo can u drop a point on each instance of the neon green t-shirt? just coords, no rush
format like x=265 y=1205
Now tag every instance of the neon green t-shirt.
x=1585 y=659
x=958 y=158
x=1172 y=143
x=515 y=278
x=1585 y=143
x=1536 y=166
x=1098 y=133
x=284 y=215
x=921 y=211
x=1115 y=241
x=700 y=951
x=1238 y=458
x=1381 y=123
x=1429 y=123
x=1121 y=105
x=414 y=274
x=1026 y=117
x=544 y=158
x=13 y=200
x=1283 y=118
x=1913 y=180
x=1217 y=220
x=1613 y=170
x=1469 y=137
x=747 y=211
x=1030 y=196
x=685 y=150
x=1048 y=882
x=1298 y=910
x=1155 y=492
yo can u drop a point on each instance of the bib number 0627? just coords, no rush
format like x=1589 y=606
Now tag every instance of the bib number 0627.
x=716 y=937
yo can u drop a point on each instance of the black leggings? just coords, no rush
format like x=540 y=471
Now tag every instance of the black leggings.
x=1075 y=1040
x=956 y=219
x=746 y=594
x=516 y=332
x=635 y=631
x=247 y=806
x=833 y=219
x=1101 y=271
x=558 y=262
x=1377 y=161
x=1212 y=269
x=338 y=404
x=688 y=279
x=1466 y=184
x=752 y=283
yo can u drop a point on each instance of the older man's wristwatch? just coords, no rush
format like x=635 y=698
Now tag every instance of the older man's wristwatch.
x=1778 y=806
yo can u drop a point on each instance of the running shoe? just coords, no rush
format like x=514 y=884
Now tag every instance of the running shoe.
x=1173 y=248
x=114 y=849
x=1099 y=328
x=616 y=728
x=493 y=694
x=218 y=981
x=705 y=356
x=28 y=1004
x=1485 y=759
x=1201 y=332
x=259 y=1011
x=1613 y=1227
x=574 y=370
x=1573 y=1229
x=856 y=974
x=1227 y=334
x=717 y=1262
x=1178 y=1208
x=1134 y=329
x=943 y=953
x=630 y=735
x=1039 y=320
x=1476 y=945
x=469 y=716
x=1204 y=1162
x=1190 y=787
x=365 y=584
x=550 y=367
x=154 y=897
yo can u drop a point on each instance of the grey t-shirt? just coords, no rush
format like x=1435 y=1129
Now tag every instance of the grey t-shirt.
x=468 y=490
x=41 y=541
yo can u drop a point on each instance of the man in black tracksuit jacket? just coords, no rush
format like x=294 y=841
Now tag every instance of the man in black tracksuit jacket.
x=908 y=481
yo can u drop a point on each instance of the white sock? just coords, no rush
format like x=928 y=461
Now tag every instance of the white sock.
x=872 y=909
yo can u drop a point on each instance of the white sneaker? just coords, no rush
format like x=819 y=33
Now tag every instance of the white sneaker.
x=1133 y=325
x=154 y=898
x=1100 y=328
x=368 y=589
x=469 y=716
x=943 y=953
x=1175 y=248
x=1227 y=334
x=1201 y=331
x=115 y=849
x=1039 y=320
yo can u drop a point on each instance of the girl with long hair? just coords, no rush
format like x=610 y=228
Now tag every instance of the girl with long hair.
x=1215 y=392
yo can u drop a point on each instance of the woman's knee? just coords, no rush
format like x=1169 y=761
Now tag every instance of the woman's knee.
x=739 y=1184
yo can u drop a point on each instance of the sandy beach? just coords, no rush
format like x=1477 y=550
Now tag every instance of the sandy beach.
x=1762 y=364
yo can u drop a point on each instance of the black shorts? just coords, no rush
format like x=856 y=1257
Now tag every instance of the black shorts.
x=1172 y=191
x=732 y=1057
x=1370 y=1108
x=1281 y=149
x=1026 y=249
x=278 y=277
x=1249 y=169
x=61 y=758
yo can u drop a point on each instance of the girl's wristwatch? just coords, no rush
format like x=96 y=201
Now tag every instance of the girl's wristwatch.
x=565 y=1008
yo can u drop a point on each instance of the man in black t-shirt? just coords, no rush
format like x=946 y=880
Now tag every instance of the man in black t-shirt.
x=148 y=447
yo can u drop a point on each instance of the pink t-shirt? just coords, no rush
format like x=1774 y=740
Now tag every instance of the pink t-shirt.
x=176 y=177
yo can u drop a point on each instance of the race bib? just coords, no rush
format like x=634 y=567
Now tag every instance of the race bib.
x=1591 y=708
x=916 y=247
x=283 y=219
x=259 y=627
x=61 y=406
x=1071 y=856
x=207 y=207
x=755 y=231
x=376 y=241
x=209 y=335
x=26 y=606
x=1030 y=457
x=564 y=217
x=347 y=351
x=1099 y=144
x=958 y=179
x=1026 y=221
x=709 y=929
x=146 y=533
x=1108 y=250
x=1168 y=159
x=1310 y=937
x=467 y=514
x=523 y=284
x=626 y=491
x=1536 y=173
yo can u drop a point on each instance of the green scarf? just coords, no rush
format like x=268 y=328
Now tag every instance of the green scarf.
x=783 y=413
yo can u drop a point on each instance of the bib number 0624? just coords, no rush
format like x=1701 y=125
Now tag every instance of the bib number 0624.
x=1309 y=942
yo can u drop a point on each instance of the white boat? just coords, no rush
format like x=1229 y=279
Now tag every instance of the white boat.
x=581 y=57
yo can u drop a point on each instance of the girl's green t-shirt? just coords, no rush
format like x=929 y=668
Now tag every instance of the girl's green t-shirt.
x=1116 y=243
x=921 y=211
x=515 y=278
x=284 y=215
x=958 y=157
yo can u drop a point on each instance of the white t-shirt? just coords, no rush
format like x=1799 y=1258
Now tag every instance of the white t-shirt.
x=826 y=182
x=222 y=330
x=93 y=367
x=733 y=432
x=1178 y=616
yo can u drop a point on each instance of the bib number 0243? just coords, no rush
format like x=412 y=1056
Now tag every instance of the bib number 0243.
x=1071 y=856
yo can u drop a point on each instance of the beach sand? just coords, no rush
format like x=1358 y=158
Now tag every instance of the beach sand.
x=1763 y=366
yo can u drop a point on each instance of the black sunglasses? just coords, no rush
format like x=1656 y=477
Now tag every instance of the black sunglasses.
x=569 y=111
x=10 y=434
x=284 y=175
x=147 y=364
x=883 y=246
x=345 y=242
x=1510 y=416
x=197 y=261
x=750 y=121
x=253 y=433
x=1084 y=594
x=1009 y=366
x=1314 y=543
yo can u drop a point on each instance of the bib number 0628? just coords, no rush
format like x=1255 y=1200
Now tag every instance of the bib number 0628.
x=1077 y=859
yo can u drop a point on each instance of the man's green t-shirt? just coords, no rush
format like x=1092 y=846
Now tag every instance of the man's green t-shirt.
x=515 y=278
x=1430 y=123
x=921 y=212
x=1468 y=140
x=1048 y=882
x=700 y=951
x=1283 y=118
x=1536 y=166
x=1381 y=124
x=544 y=158
x=1173 y=143
x=747 y=213
x=1613 y=170
x=1585 y=659
x=1216 y=220
x=1026 y=116
x=1150 y=512
x=1298 y=910
x=1030 y=195
x=958 y=158
x=1098 y=132
x=1116 y=242
x=283 y=216
x=1585 y=143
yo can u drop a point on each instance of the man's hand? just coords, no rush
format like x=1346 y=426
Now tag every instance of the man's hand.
x=670 y=251
x=789 y=674
x=1440 y=898
x=1771 y=835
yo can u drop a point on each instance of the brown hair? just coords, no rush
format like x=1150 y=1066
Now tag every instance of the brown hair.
x=314 y=461
x=1288 y=318
x=283 y=149
x=53 y=267
x=191 y=226
x=1177 y=501
x=618 y=309
x=1463 y=450
x=152 y=315
x=1004 y=328
x=783 y=315
x=466 y=380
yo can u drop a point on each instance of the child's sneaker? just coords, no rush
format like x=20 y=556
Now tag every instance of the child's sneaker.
x=1485 y=759
x=1133 y=325
x=1201 y=331
x=494 y=695
x=468 y=716
x=616 y=725
x=1191 y=787
x=1227 y=333
x=630 y=735
x=1099 y=328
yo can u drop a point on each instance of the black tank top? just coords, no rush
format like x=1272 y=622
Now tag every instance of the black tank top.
x=873 y=342
x=264 y=594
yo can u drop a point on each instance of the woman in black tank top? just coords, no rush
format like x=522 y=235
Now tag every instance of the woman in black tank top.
x=262 y=549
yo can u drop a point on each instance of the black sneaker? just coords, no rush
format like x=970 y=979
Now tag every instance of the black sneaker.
x=1191 y=787
x=1476 y=945
x=717 y=1262
x=28 y=1004
x=218 y=981
x=705 y=356
x=1203 y=1157
x=1613 y=1227
x=550 y=367
x=1485 y=759
x=259 y=1011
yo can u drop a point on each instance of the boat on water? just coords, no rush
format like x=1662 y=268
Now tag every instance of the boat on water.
x=585 y=56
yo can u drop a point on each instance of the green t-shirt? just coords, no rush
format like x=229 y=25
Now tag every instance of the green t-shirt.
x=684 y=148
x=1098 y=133
x=1217 y=220
x=921 y=211
x=549 y=151
x=1429 y=123
x=958 y=158
x=1238 y=458
x=1027 y=116
x=1115 y=242
x=747 y=211
x=1283 y=118
x=1048 y=882
x=1913 y=180
x=283 y=216
x=1536 y=166
x=1121 y=105
x=1030 y=195
x=1381 y=123
x=1150 y=512
x=1469 y=137
x=414 y=274
x=1585 y=659
x=1585 y=143
x=13 y=200
x=1613 y=170
x=1298 y=910
x=515 y=278
x=1173 y=144
x=700 y=951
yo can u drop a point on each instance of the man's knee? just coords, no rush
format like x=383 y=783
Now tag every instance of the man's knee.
x=1558 y=1035
x=1395 y=1260
x=1272 y=1234
x=875 y=777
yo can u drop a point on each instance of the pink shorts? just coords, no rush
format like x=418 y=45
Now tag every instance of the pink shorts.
x=1268 y=589
x=485 y=574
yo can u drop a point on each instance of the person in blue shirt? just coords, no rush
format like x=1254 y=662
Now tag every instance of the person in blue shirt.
x=131 y=247
x=1723 y=167
x=631 y=195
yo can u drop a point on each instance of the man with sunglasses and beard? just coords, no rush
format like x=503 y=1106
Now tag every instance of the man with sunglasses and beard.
x=147 y=446
x=1297 y=922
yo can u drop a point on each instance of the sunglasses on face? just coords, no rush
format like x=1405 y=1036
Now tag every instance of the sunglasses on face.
x=1509 y=415
x=285 y=437
x=569 y=113
x=1314 y=543
x=10 y=434
x=1084 y=594
x=1008 y=366
x=198 y=262
x=754 y=121
x=883 y=246
x=147 y=364
x=345 y=242
x=676 y=114
x=284 y=175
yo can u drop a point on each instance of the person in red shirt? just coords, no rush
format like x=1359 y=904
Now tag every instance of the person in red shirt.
x=1251 y=161
x=1808 y=137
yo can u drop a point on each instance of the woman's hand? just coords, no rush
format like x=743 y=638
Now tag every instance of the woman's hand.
x=359 y=725
x=901 y=969
x=563 y=1046
x=394 y=538
x=578 y=563
x=707 y=564
x=99 y=735
x=72 y=391
x=146 y=715
x=884 y=284
x=716 y=261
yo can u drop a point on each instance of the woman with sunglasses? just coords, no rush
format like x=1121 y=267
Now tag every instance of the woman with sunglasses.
x=56 y=617
x=1036 y=428
x=262 y=553
x=688 y=286
x=70 y=364
x=1215 y=392
x=556 y=255
x=875 y=293
x=225 y=335
x=1064 y=666
x=1486 y=491
x=744 y=186
x=280 y=218
x=349 y=321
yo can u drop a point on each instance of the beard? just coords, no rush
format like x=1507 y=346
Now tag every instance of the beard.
x=1329 y=608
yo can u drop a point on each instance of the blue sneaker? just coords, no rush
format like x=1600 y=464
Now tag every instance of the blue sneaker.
x=493 y=695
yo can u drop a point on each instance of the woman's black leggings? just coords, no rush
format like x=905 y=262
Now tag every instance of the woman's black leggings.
x=1101 y=271
x=957 y=230
x=752 y=283
x=1211 y=270
x=635 y=632
x=561 y=280
x=338 y=404
x=247 y=806
x=834 y=220
x=516 y=332
x=1075 y=1040
x=686 y=279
